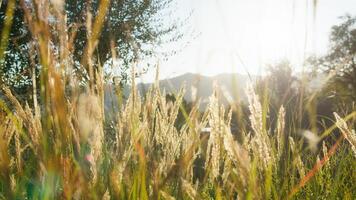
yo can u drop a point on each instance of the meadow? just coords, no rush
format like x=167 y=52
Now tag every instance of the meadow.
x=57 y=143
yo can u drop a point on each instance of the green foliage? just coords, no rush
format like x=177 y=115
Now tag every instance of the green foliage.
x=14 y=64
x=340 y=60
x=330 y=182
x=132 y=30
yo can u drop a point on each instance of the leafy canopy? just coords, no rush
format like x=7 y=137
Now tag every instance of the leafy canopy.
x=341 y=59
x=131 y=31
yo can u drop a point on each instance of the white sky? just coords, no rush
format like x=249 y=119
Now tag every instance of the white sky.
x=245 y=35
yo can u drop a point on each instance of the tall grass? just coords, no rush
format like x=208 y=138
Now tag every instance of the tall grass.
x=62 y=147
x=146 y=156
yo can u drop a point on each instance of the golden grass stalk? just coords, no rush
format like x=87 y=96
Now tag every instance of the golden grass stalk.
x=260 y=142
x=347 y=133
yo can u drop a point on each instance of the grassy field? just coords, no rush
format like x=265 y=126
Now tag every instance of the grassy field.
x=57 y=143
x=68 y=152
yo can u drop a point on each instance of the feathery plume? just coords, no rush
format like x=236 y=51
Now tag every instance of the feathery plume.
x=260 y=138
x=280 y=131
x=348 y=134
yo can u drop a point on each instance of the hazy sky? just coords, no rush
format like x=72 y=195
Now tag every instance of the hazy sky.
x=245 y=35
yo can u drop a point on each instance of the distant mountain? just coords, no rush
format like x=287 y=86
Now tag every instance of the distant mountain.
x=232 y=85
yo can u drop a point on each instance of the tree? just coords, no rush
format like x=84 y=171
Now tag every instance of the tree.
x=341 y=59
x=14 y=69
x=132 y=29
